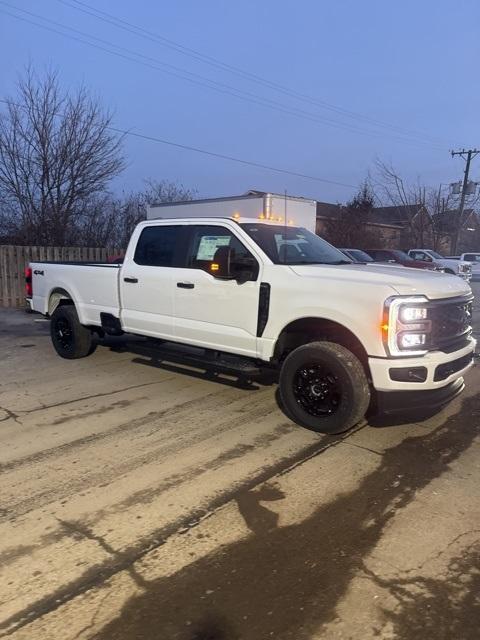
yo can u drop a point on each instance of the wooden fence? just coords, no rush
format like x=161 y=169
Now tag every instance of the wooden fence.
x=14 y=259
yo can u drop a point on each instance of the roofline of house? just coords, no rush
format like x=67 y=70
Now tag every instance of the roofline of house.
x=370 y=224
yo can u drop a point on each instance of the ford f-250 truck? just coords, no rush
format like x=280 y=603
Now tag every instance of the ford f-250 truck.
x=342 y=336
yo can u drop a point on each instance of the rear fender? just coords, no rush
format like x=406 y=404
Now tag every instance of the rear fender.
x=56 y=297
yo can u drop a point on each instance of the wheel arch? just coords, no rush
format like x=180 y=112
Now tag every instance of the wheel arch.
x=309 y=329
x=57 y=297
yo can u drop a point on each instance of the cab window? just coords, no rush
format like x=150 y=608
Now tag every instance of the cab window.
x=417 y=255
x=207 y=242
x=158 y=246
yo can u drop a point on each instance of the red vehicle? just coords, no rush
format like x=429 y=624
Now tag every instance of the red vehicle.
x=402 y=258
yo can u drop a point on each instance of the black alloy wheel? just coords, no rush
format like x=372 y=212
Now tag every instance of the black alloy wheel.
x=63 y=333
x=323 y=386
x=70 y=338
x=317 y=389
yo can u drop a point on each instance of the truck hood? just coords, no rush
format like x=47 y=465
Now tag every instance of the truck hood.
x=403 y=280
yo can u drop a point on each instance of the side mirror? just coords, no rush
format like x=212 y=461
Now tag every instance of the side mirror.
x=227 y=267
x=428 y=259
x=244 y=269
x=220 y=266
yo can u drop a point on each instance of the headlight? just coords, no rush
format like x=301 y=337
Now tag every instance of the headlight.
x=406 y=326
x=411 y=340
x=411 y=313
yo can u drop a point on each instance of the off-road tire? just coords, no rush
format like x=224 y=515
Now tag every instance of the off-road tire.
x=70 y=339
x=324 y=368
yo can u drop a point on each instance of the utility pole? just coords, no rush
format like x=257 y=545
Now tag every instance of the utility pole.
x=467 y=155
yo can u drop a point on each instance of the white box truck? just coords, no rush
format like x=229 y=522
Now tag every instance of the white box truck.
x=299 y=212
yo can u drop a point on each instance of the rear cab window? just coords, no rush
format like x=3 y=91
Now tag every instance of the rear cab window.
x=160 y=246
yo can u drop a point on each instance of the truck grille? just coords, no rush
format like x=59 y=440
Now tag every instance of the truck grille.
x=451 y=323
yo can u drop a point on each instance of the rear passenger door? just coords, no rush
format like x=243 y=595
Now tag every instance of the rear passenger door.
x=209 y=311
x=146 y=285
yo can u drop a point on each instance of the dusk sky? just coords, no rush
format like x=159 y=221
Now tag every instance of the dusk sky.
x=411 y=65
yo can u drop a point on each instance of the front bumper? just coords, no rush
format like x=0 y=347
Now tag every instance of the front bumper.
x=390 y=402
x=434 y=362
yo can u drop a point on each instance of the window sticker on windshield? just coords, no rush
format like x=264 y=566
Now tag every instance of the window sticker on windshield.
x=209 y=244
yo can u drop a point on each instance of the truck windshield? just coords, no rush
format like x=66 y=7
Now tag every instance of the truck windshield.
x=435 y=255
x=293 y=245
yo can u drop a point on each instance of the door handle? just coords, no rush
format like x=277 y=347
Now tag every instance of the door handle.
x=185 y=285
x=132 y=280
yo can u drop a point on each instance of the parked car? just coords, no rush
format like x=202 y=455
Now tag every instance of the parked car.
x=400 y=257
x=455 y=267
x=339 y=334
x=357 y=255
x=472 y=258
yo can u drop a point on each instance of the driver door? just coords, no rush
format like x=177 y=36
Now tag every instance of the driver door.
x=212 y=312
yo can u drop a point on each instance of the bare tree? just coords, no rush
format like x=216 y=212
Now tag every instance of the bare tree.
x=351 y=227
x=57 y=155
x=440 y=205
x=410 y=202
x=108 y=221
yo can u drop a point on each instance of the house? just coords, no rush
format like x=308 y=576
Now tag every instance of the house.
x=392 y=227
x=380 y=224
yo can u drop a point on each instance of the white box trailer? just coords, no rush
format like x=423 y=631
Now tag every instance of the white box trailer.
x=300 y=212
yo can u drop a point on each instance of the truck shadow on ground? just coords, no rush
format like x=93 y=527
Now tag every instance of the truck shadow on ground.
x=285 y=582
x=150 y=355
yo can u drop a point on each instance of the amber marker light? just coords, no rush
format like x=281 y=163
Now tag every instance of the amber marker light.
x=214 y=266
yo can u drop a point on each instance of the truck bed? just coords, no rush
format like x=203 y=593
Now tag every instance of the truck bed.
x=93 y=286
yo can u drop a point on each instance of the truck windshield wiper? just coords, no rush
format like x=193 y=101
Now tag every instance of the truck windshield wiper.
x=341 y=262
x=318 y=262
x=305 y=262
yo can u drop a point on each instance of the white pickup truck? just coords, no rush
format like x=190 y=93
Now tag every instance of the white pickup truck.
x=455 y=267
x=256 y=295
x=474 y=260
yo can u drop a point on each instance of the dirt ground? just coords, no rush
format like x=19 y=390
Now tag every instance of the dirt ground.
x=141 y=499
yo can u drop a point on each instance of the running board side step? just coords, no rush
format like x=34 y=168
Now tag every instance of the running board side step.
x=212 y=361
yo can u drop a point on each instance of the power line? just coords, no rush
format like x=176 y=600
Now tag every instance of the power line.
x=194 y=78
x=215 y=62
x=213 y=154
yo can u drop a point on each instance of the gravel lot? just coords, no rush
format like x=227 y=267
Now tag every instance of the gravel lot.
x=142 y=499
